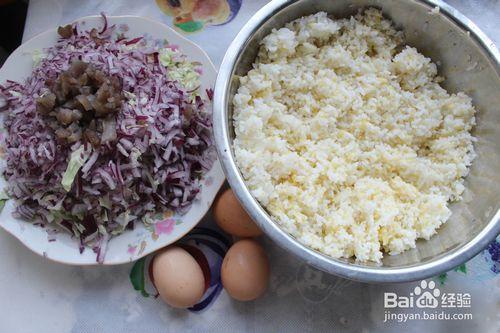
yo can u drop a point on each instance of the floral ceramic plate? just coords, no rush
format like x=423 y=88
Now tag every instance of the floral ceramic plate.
x=131 y=244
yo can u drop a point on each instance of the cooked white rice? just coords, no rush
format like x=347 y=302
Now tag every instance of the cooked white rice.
x=344 y=135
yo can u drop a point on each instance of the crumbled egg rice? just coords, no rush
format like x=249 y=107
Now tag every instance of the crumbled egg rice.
x=344 y=135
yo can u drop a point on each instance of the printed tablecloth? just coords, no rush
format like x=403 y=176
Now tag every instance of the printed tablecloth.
x=37 y=295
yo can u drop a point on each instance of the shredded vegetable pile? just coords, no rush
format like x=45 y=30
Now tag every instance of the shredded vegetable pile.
x=159 y=143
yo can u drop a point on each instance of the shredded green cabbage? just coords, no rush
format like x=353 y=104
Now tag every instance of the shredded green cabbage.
x=132 y=98
x=76 y=161
x=57 y=216
x=15 y=93
x=186 y=75
x=3 y=199
x=179 y=69
x=123 y=219
x=37 y=57
x=135 y=153
x=105 y=202
x=166 y=57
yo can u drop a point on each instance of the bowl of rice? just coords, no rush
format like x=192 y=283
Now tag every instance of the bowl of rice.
x=106 y=145
x=361 y=136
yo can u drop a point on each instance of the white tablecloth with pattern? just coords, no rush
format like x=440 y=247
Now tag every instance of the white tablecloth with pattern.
x=37 y=295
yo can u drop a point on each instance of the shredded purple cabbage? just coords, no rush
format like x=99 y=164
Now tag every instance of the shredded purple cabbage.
x=163 y=143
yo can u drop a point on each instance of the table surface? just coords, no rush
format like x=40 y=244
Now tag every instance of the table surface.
x=37 y=295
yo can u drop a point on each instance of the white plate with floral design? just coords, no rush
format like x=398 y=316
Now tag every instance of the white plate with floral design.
x=142 y=240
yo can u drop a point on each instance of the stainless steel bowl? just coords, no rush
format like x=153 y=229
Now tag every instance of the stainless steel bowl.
x=470 y=63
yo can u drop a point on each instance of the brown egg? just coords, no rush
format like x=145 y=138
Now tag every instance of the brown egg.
x=178 y=277
x=245 y=270
x=232 y=217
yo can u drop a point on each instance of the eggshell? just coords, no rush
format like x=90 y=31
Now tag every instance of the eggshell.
x=232 y=217
x=245 y=270
x=178 y=277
